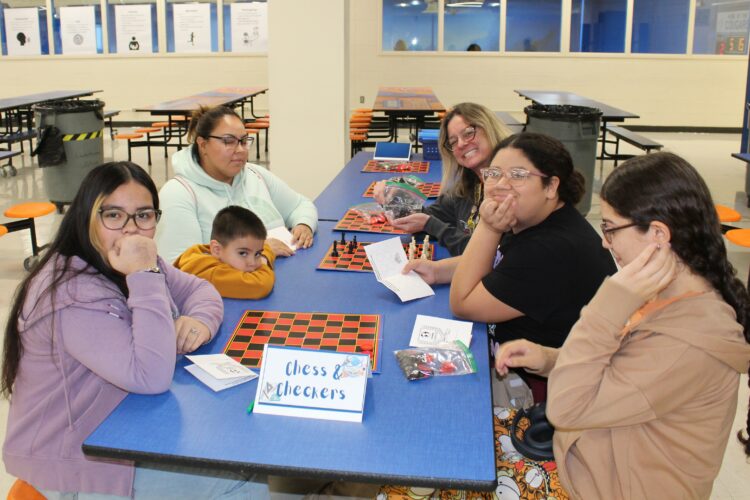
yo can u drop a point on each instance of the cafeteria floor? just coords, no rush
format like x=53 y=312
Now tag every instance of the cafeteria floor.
x=709 y=153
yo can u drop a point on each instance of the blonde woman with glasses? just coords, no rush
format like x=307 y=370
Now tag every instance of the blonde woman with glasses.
x=533 y=260
x=468 y=134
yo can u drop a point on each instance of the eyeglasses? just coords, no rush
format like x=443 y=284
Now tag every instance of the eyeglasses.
x=607 y=232
x=115 y=218
x=231 y=141
x=466 y=135
x=516 y=176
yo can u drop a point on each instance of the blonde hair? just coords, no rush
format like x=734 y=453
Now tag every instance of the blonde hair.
x=93 y=222
x=457 y=180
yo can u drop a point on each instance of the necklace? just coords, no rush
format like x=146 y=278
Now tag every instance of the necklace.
x=471 y=223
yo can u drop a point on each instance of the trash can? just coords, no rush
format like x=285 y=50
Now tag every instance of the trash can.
x=69 y=144
x=577 y=127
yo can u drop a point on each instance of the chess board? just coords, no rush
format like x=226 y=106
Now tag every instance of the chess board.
x=352 y=221
x=414 y=167
x=309 y=330
x=429 y=189
x=357 y=261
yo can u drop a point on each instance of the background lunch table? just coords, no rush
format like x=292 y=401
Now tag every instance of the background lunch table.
x=559 y=97
x=406 y=106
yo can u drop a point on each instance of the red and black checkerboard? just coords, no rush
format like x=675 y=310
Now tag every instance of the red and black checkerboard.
x=429 y=189
x=357 y=260
x=414 y=167
x=320 y=331
x=353 y=221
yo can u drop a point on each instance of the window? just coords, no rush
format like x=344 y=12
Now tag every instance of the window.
x=245 y=26
x=471 y=26
x=721 y=27
x=598 y=25
x=192 y=27
x=23 y=28
x=533 y=25
x=131 y=26
x=77 y=26
x=660 y=27
x=410 y=25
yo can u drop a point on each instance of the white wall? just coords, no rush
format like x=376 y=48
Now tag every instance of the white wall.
x=131 y=82
x=663 y=90
x=308 y=80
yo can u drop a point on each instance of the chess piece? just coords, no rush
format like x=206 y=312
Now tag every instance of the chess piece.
x=335 y=252
x=343 y=239
x=426 y=247
x=412 y=248
x=354 y=241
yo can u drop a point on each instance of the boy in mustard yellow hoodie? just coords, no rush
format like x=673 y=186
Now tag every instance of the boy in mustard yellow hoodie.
x=237 y=261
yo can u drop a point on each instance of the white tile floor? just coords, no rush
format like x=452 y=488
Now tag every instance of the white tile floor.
x=710 y=153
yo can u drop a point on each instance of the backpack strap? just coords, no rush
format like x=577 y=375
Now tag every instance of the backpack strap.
x=187 y=186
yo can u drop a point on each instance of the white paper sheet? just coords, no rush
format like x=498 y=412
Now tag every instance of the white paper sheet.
x=192 y=27
x=78 y=29
x=388 y=260
x=430 y=331
x=134 y=29
x=22 y=32
x=214 y=383
x=282 y=234
x=221 y=366
x=249 y=27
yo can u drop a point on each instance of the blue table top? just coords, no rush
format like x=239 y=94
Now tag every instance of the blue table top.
x=346 y=189
x=436 y=432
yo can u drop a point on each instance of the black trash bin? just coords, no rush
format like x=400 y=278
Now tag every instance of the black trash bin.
x=69 y=135
x=577 y=127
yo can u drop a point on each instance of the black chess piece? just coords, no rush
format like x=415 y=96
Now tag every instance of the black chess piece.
x=335 y=252
x=343 y=239
x=354 y=241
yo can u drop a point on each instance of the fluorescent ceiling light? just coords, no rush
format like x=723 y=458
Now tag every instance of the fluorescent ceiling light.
x=464 y=4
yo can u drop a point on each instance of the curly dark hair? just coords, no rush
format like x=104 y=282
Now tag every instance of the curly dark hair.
x=664 y=187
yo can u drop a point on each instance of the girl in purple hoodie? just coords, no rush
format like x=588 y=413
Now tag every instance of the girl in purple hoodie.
x=100 y=316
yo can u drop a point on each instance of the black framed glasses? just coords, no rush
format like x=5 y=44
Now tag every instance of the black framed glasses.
x=608 y=232
x=516 y=176
x=466 y=135
x=116 y=218
x=231 y=141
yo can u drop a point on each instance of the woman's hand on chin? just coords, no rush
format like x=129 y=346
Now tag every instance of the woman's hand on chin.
x=132 y=253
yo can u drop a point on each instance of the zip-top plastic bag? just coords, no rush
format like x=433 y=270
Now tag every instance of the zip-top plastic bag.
x=424 y=362
x=402 y=199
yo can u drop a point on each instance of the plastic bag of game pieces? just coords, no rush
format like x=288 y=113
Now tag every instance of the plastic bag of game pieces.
x=411 y=180
x=371 y=212
x=401 y=200
x=425 y=362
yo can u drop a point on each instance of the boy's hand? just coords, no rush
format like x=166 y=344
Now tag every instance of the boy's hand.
x=302 y=236
x=279 y=248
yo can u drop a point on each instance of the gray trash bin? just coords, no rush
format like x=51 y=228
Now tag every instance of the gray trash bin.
x=577 y=127
x=69 y=135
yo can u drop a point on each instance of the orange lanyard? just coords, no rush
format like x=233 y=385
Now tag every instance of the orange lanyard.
x=651 y=307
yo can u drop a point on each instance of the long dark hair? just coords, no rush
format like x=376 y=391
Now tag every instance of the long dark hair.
x=552 y=159
x=73 y=239
x=664 y=187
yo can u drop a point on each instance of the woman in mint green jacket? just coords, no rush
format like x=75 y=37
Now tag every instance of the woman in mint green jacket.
x=214 y=173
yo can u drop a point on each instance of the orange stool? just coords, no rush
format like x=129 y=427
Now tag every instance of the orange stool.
x=256 y=125
x=739 y=237
x=727 y=214
x=148 y=131
x=128 y=137
x=3 y=230
x=21 y=490
x=27 y=212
